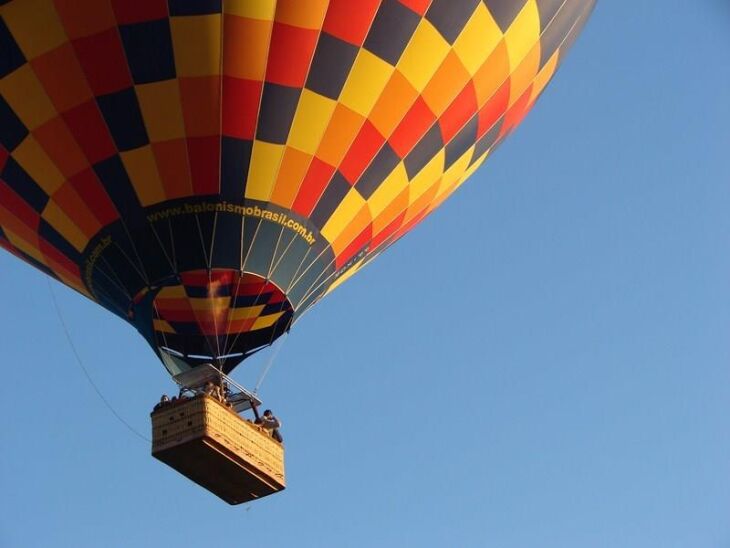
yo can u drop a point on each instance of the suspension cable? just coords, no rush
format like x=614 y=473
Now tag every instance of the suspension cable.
x=270 y=363
x=83 y=368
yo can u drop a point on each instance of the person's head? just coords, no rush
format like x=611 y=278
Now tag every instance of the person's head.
x=268 y=413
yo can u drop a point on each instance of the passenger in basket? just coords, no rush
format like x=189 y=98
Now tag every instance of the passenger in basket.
x=164 y=400
x=271 y=424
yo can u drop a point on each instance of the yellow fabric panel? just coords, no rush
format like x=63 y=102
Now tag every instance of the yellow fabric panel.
x=420 y=206
x=523 y=33
x=455 y=172
x=246 y=47
x=210 y=304
x=522 y=78
x=468 y=173
x=197 y=43
x=173 y=292
x=265 y=160
x=478 y=39
x=544 y=76
x=423 y=55
x=34 y=160
x=310 y=121
x=350 y=205
x=366 y=82
x=65 y=226
x=35 y=25
x=142 y=169
x=253 y=9
x=352 y=229
x=388 y=190
x=308 y=15
x=25 y=246
x=160 y=104
x=266 y=321
x=245 y=313
x=431 y=172
x=162 y=326
x=26 y=96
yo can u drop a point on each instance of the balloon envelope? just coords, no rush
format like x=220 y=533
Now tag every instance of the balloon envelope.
x=208 y=170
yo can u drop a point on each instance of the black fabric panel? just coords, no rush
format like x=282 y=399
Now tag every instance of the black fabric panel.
x=294 y=251
x=278 y=105
x=157 y=265
x=504 y=11
x=13 y=131
x=310 y=278
x=235 y=160
x=555 y=33
x=547 y=10
x=23 y=185
x=331 y=198
x=148 y=47
x=487 y=141
x=391 y=31
x=332 y=62
x=422 y=153
x=573 y=34
x=11 y=57
x=53 y=237
x=461 y=142
x=122 y=259
x=382 y=165
x=261 y=250
x=227 y=243
x=189 y=251
x=193 y=7
x=242 y=301
x=450 y=16
x=124 y=119
x=116 y=182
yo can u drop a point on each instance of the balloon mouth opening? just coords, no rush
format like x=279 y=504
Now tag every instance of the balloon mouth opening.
x=218 y=316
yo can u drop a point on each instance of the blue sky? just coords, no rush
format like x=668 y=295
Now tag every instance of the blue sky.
x=541 y=363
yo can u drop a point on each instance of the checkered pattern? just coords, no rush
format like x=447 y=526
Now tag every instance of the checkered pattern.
x=217 y=312
x=356 y=118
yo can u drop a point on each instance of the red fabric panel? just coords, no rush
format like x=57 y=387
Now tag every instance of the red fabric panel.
x=104 y=63
x=357 y=244
x=350 y=21
x=136 y=11
x=315 y=181
x=240 y=107
x=90 y=131
x=419 y=6
x=361 y=153
x=204 y=153
x=458 y=113
x=414 y=125
x=493 y=110
x=290 y=55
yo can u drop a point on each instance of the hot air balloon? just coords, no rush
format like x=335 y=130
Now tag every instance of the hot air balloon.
x=208 y=170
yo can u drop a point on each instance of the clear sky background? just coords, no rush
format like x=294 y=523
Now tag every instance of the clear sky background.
x=544 y=362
